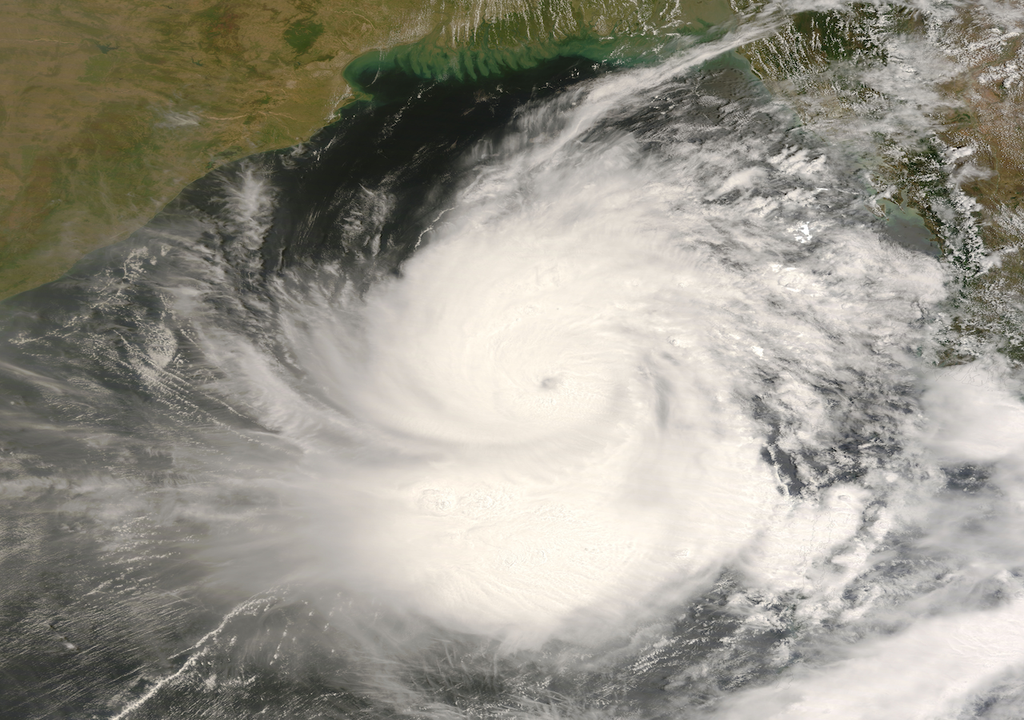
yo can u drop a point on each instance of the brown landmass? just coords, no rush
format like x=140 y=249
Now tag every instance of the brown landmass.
x=109 y=107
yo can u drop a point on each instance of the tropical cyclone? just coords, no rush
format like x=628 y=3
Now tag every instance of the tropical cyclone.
x=552 y=419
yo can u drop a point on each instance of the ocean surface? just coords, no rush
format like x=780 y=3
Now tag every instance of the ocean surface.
x=573 y=389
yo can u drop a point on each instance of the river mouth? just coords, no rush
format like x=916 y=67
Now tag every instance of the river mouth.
x=595 y=394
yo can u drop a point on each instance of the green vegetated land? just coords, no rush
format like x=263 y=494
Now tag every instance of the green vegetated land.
x=108 y=108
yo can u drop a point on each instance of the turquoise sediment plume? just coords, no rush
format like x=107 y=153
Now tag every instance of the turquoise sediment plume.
x=497 y=50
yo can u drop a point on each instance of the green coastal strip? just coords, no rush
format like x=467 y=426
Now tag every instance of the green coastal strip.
x=496 y=51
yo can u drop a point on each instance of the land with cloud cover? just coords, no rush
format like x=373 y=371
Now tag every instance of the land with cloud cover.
x=931 y=98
